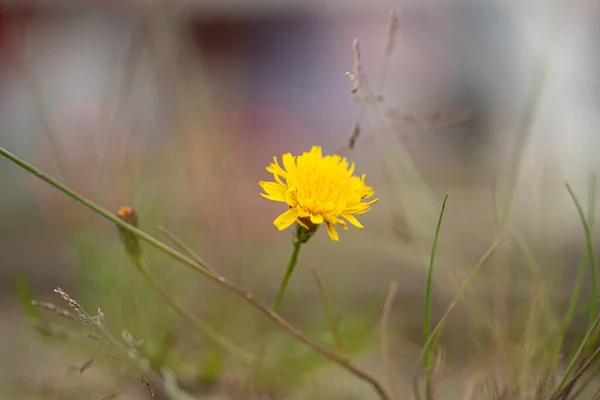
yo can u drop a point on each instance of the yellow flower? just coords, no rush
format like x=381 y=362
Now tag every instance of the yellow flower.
x=317 y=190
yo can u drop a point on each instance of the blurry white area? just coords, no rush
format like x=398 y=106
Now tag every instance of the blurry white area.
x=565 y=141
x=73 y=68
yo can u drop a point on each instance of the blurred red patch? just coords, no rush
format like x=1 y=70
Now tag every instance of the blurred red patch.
x=14 y=21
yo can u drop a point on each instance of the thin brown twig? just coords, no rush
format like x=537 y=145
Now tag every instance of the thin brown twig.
x=222 y=281
x=385 y=343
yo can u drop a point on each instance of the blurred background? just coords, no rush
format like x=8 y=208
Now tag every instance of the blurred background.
x=176 y=108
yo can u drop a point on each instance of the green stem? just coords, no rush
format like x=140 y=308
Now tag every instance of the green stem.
x=288 y=274
x=282 y=288
x=245 y=357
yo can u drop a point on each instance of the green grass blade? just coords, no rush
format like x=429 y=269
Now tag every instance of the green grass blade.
x=592 y=259
x=429 y=352
x=440 y=325
x=581 y=270
x=588 y=338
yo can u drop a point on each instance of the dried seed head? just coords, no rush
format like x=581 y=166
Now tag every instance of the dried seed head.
x=130 y=340
x=392 y=34
x=359 y=76
x=358 y=70
x=129 y=240
x=147 y=385
x=53 y=308
x=99 y=319
x=47 y=329
x=75 y=306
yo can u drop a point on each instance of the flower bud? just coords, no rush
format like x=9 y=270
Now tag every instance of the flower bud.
x=129 y=240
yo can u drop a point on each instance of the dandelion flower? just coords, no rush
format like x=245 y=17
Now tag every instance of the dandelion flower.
x=317 y=189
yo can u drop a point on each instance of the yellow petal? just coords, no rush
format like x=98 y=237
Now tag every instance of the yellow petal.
x=342 y=223
x=290 y=198
x=316 y=219
x=277 y=171
x=316 y=151
x=286 y=219
x=274 y=198
x=352 y=219
x=289 y=162
x=275 y=191
x=302 y=213
x=351 y=170
x=333 y=235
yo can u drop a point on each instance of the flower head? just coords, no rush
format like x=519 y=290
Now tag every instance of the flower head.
x=317 y=189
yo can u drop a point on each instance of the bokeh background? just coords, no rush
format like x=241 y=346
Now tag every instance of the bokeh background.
x=176 y=108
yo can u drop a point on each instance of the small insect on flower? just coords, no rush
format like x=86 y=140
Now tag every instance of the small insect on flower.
x=317 y=189
x=129 y=240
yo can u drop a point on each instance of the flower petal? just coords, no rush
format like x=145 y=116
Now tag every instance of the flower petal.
x=277 y=171
x=342 y=223
x=273 y=198
x=289 y=163
x=275 y=191
x=351 y=170
x=316 y=219
x=333 y=235
x=352 y=219
x=316 y=151
x=286 y=219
